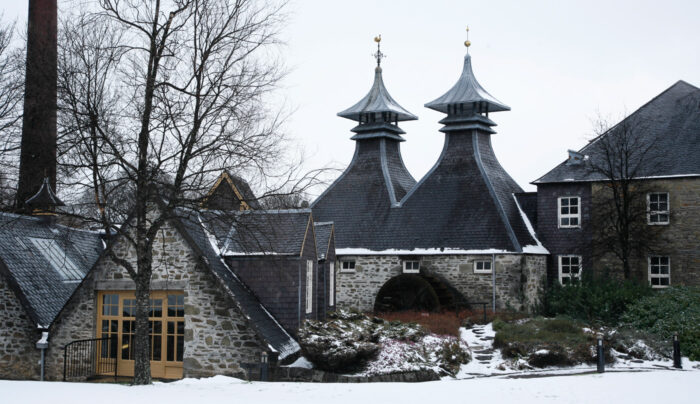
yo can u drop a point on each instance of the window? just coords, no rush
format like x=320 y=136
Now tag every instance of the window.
x=309 y=286
x=57 y=258
x=331 y=285
x=569 y=268
x=411 y=267
x=482 y=267
x=657 y=208
x=116 y=320
x=569 y=212
x=347 y=266
x=660 y=272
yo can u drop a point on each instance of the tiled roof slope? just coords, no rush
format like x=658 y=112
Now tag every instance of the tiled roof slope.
x=37 y=281
x=359 y=202
x=261 y=320
x=324 y=231
x=671 y=120
x=260 y=232
x=465 y=202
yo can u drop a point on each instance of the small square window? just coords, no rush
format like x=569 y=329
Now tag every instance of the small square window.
x=482 y=267
x=569 y=268
x=659 y=272
x=347 y=266
x=411 y=267
x=569 y=214
x=658 y=211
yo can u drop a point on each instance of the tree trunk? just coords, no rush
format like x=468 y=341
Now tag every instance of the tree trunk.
x=142 y=343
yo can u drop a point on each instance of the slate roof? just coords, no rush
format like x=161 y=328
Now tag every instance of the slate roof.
x=670 y=120
x=233 y=181
x=324 y=232
x=44 y=263
x=265 y=325
x=259 y=232
x=466 y=202
x=467 y=91
x=377 y=101
x=360 y=201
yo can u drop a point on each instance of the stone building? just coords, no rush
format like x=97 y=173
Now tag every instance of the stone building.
x=227 y=288
x=457 y=236
x=667 y=128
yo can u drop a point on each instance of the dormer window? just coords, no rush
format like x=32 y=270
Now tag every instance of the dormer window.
x=575 y=158
x=569 y=212
x=411 y=266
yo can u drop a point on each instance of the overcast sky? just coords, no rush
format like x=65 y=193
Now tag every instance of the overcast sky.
x=557 y=64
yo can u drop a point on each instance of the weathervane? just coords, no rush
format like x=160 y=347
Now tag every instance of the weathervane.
x=379 y=55
x=467 y=43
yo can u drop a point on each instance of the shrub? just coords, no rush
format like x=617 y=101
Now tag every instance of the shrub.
x=559 y=341
x=596 y=300
x=669 y=311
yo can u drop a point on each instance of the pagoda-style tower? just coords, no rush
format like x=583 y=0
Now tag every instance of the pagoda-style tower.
x=466 y=201
x=38 y=154
x=376 y=178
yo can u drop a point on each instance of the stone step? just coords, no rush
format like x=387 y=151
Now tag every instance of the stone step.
x=484 y=351
x=483 y=357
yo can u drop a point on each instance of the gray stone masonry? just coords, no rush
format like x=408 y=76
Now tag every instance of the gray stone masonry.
x=218 y=338
x=519 y=278
x=18 y=355
x=680 y=239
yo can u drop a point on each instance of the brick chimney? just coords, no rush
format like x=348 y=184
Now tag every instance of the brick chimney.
x=38 y=154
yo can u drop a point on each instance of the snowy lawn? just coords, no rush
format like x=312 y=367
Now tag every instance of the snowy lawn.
x=622 y=387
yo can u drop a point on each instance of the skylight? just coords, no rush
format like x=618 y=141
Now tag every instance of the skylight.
x=58 y=259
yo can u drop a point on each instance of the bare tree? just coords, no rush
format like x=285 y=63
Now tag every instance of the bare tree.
x=11 y=92
x=156 y=99
x=621 y=156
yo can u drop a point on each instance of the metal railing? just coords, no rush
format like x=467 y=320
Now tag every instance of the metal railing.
x=87 y=358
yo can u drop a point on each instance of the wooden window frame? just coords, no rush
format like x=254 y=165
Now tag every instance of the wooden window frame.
x=651 y=213
x=412 y=264
x=569 y=275
x=350 y=266
x=659 y=276
x=569 y=216
x=122 y=316
x=483 y=270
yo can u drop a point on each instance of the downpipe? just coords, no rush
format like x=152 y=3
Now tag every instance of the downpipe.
x=43 y=345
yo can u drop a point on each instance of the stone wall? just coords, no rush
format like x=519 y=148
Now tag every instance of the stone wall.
x=18 y=354
x=680 y=239
x=218 y=337
x=518 y=278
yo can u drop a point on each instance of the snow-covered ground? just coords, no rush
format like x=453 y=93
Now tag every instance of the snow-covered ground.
x=619 y=388
x=487 y=361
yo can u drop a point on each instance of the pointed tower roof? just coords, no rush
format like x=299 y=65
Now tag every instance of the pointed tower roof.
x=45 y=199
x=378 y=100
x=467 y=92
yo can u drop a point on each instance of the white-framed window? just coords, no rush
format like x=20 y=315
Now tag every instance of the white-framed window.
x=347 y=266
x=659 y=271
x=569 y=268
x=411 y=266
x=569 y=211
x=331 y=285
x=658 y=211
x=309 y=286
x=482 y=267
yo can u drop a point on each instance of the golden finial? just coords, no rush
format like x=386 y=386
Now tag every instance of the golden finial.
x=467 y=43
x=379 y=55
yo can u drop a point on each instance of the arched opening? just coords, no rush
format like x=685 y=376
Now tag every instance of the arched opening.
x=407 y=292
